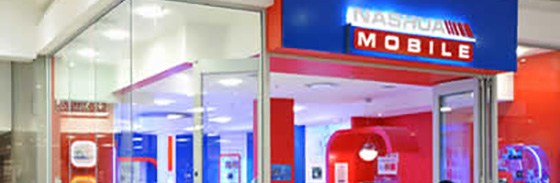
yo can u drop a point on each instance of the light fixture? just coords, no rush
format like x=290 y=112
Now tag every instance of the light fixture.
x=174 y=116
x=163 y=102
x=223 y=141
x=522 y=50
x=87 y=52
x=137 y=147
x=213 y=134
x=183 y=139
x=368 y=152
x=523 y=60
x=193 y=128
x=323 y=85
x=223 y=119
x=445 y=109
x=388 y=86
x=151 y=11
x=201 y=109
x=298 y=108
x=116 y=34
x=137 y=139
x=231 y=82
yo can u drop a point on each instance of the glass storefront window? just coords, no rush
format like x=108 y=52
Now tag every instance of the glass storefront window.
x=158 y=91
x=337 y=122
x=528 y=125
x=168 y=91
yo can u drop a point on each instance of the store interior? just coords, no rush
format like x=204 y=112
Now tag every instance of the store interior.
x=125 y=106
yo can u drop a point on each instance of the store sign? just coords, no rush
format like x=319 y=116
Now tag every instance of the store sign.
x=389 y=32
x=458 y=33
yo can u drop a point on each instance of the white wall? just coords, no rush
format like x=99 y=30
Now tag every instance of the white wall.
x=538 y=23
x=17 y=30
x=5 y=97
x=316 y=140
x=64 y=18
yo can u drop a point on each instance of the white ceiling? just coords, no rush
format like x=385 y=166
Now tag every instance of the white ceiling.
x=319 y=106
x=538 y=23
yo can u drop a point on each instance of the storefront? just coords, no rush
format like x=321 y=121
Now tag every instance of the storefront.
x=304 y=91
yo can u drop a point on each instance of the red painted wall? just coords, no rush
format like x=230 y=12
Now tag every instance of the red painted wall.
x=104 y=157
x=415 y=164
x=416 y=167
x=534 y=115
x=281 y=134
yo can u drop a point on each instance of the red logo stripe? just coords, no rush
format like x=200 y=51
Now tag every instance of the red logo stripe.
x=448 y=27
x=468 y=30
x=460 y=30
x=454 y=26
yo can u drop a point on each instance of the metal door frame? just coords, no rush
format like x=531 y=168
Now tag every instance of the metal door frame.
x=485 y=153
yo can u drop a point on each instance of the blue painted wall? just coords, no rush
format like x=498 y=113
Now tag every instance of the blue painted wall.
x=299 y=155
x=250 y=154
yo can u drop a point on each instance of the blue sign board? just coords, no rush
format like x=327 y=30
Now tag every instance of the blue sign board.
x=482 y=32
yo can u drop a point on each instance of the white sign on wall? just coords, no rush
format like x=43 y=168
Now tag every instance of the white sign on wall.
x=341 y=172
x=388 y=165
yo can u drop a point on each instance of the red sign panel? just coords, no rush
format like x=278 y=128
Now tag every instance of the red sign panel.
x=398 y=43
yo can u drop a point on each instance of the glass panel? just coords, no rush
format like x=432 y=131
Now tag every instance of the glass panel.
x=157 y=91
x=194 y=87
x=456 y=137
x=87 y=116
x=529 y=120
x=340 y=123
x=228 y=129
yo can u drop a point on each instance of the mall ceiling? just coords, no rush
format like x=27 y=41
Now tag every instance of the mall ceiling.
x=538 y=23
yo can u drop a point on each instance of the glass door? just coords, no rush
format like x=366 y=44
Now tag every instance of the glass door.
x=456 y=126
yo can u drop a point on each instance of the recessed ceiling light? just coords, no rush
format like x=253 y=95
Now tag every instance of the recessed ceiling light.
x=174 y=116
x=151 y=11
x=214 y=134
x=223 y=119
x=445 y=109
x=183 y=140
x=137 y=139
x=116 y=34
x=137 y=147
x=231 y=82
x=201 y=109
x=522 y=50
x=388 y=86
x=523 y=60
x=87 y=52
x=323 y=85
x=163 y=102
x=298 y=108
x=223 y=141
x=379 y=114
x=193 y=128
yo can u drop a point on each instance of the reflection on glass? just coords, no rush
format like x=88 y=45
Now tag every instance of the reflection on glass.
x=456 y=137
x=159 y=91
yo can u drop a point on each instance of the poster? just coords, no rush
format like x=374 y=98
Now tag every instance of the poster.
x=281 y=172
x=317 y=173
x=230 y=168
x=388 y=165
x=341 y=172
x=83 y=154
